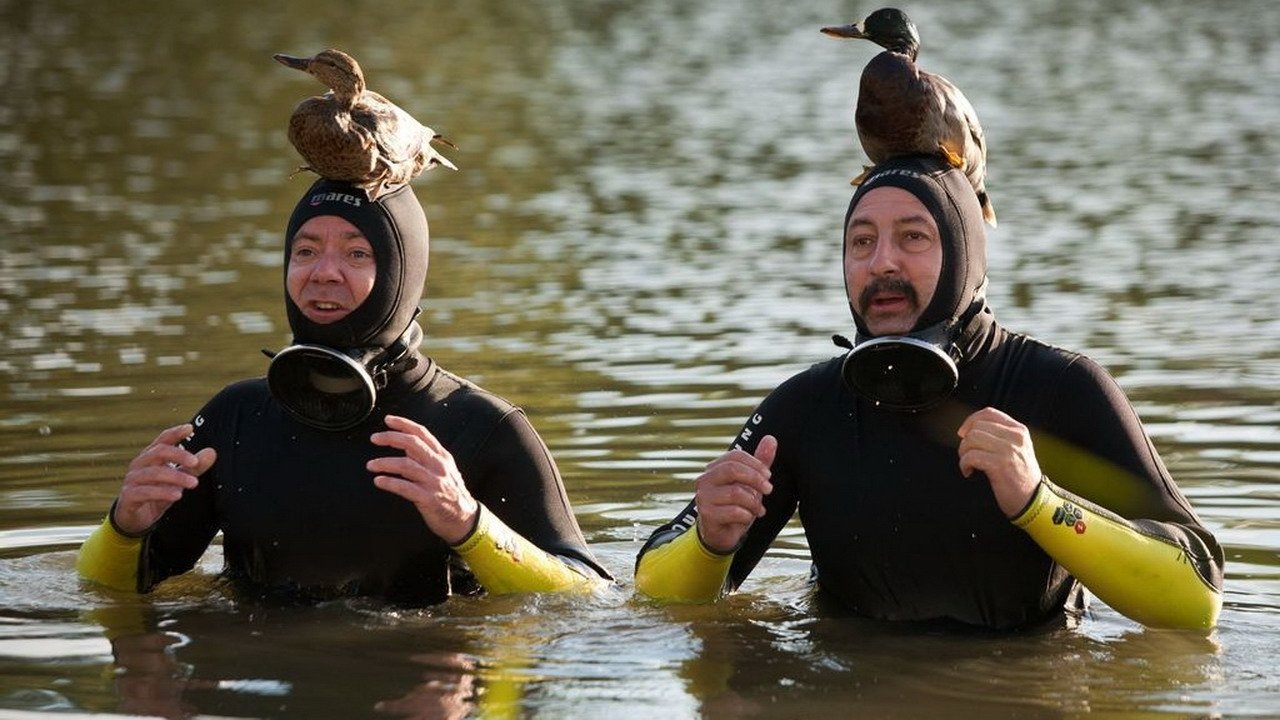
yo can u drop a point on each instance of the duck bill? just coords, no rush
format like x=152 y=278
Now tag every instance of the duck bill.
x=297 y=63
x=845 y=31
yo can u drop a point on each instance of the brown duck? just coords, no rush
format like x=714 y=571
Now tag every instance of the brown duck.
x=354 y=134
x=903 y=110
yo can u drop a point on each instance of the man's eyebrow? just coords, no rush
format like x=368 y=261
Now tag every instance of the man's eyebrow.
x=349 y=235
x=908 y=220
x=912 y=219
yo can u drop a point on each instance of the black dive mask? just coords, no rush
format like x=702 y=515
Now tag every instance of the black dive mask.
x=909 y=372
x=333 y=389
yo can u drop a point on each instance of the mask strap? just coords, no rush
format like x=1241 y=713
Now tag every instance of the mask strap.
x=397 y=356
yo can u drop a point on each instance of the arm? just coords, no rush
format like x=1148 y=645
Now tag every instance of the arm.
x=110 y=558
x=1102 y=463
x=505 y=562
x=733 y=493
x=157 y=478
x=1138 y=568
x=506 y=554
x=681 y=568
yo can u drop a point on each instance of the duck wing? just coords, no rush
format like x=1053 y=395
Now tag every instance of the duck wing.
x=403 y=144
x=329 y=142
x=954 y=122
x=891 y=108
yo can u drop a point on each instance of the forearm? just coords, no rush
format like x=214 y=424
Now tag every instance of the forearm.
x=505 y=562
x=683 y=570
x=110 y=558
x=1146 y=576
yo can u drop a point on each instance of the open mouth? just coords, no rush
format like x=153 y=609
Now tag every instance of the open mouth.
x=887 y=296
x=324 y=310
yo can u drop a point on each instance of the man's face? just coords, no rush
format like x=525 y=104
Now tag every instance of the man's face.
x=331 y=268
x=892 y=260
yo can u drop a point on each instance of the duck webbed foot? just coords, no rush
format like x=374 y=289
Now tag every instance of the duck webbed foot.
x=953 y=158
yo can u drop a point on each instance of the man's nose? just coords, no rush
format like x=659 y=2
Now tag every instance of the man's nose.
x=884 y=258
x=327 y=269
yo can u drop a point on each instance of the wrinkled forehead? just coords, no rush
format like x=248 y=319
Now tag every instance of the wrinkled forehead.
x=324 y=227
x=888 y=204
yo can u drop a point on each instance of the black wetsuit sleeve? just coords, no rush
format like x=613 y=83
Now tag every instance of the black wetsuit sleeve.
x=515 y=477
x=178 y=539
x=1098 y=450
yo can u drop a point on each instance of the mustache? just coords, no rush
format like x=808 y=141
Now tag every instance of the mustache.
x=893 y=285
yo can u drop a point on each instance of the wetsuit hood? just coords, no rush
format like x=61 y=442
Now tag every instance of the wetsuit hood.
x=958 y=307
x=396 y=228
x=949 y=196
x=918 y=370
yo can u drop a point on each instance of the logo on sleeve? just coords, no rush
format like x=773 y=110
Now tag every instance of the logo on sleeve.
x=1071 y=516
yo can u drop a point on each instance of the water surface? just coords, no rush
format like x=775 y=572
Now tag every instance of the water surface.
x=641 y=243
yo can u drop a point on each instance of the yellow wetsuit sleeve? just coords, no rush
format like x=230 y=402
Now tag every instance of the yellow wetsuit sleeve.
x=505 y=562
x=683 y=570
x=1147 y=578
x=109 y=558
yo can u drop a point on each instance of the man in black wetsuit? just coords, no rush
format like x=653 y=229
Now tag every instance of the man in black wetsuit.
x=946 y=468
x=358 y=466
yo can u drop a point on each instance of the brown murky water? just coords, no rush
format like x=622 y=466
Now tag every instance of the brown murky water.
x=640 y=244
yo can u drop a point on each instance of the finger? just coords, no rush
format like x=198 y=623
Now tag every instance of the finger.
x=741 y=459
x=164 y=455
x=133 y=495
x=767 y=450
x=733 y=473
x=409 y=427
x=985 y=415
x=967 y=466
x=204 y=460
x=726 y=515
x=736 y=495
x=402 y=466
x=406 y=489
x=173 y=435
x=418 y=463
x=410 y=445
x=160 y=452
x=720 y=509
x=160 y=475
x=414 y=440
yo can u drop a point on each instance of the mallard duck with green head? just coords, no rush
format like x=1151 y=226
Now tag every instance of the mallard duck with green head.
x=354 y=134
x=904 y=110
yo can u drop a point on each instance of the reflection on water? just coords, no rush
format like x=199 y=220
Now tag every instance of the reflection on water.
x=639 y=244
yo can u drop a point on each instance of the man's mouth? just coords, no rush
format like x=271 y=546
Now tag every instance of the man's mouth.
x=887 y=301
x=325 y=310
x=887 y=295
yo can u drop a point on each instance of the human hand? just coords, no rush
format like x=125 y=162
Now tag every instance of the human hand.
x=426 y=476
x=730 y=494
x=157 y=477
x=995 y=444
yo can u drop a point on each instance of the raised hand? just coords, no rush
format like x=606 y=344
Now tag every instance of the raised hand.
x=1000 y=447
x=730 y=494
x=157 y=477
x=426 y=476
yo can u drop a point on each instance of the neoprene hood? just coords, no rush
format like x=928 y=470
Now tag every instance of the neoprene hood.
x=396 y=227
x=950 y=199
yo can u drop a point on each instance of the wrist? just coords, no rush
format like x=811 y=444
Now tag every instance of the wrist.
x=122 y=529
x=468 y=521
x=712 y=548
